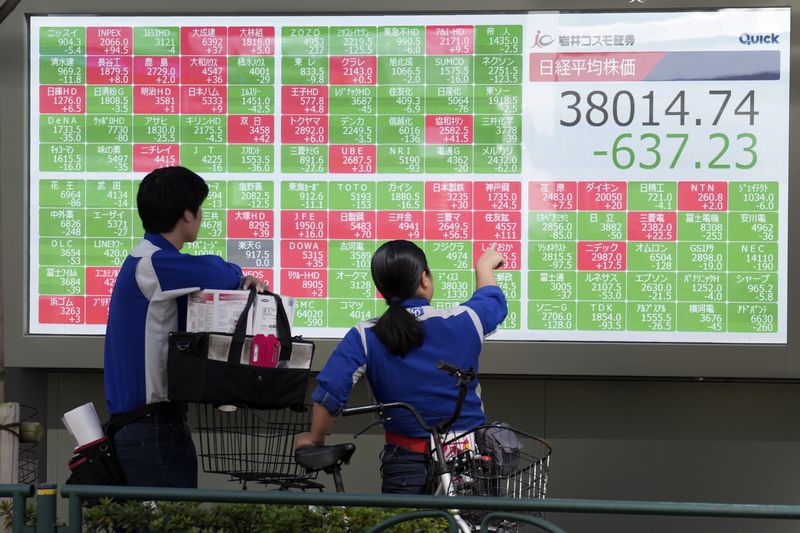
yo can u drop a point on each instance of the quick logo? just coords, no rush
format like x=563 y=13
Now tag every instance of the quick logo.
x=759 y=38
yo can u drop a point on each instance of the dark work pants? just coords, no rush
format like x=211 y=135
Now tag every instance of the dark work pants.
x=404 y=471
x=157 y=454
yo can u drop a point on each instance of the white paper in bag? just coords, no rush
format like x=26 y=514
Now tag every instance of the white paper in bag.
x=83 y=424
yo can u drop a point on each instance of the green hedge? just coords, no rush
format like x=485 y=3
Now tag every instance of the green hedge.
x=110 y=516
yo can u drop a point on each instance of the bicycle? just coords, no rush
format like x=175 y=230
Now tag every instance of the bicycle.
x=465 y=464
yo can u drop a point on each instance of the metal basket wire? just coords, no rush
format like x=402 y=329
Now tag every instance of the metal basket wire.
x=521 y=472
x=254 y=445
x=28 y=469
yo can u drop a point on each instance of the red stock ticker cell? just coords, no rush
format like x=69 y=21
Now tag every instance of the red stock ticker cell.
x=147 y=157
x=652 y=226
x=97 y=309
x=353 y=70
x=352 y=225
x=108 y=70
x=602 y=195
x=406 y=225
x=62 y=99
x=301 y=224
x=109 y=41
x=497 y=195
x=156 y=100
x=304 y=100
x=156 y=70
x=251 y=129
x=448 y=225
x=448 y=195
x=702 y=196
x=251 y=224
x=204 y=41
x=352 y=159
x=266 y=275
x=602 y=255
x=304 y=129
x=553 y=196
x=511 y=250
x=62 y=309
x=449 y=40
x=204 y=70
x=304 y=254
x=304 y=283
x=100 y=280
x=497 y=225
x=448 y=129
x=251 y=41
x=204 y=99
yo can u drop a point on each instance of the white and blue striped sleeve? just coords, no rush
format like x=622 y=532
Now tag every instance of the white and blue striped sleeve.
x=344 y=368
x=489 y=303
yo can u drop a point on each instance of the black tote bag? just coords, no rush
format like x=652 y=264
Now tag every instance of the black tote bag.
x=193 y=376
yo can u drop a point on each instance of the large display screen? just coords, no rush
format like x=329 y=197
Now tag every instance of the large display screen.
x=632 y=167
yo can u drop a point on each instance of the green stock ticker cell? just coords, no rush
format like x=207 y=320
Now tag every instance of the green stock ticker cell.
x=344 y=313
x=449 y=99
x=652 y=316
x=206 y=247
x=304 y=41
x=558 y=286
x=498 y=69
x=602 y=226
x=251 y=100
x=109 y=222
x=203 y=129
x=553 y=316
x=62 y=157
x=704 y=227
x=156 y=41
x=109 y=157
x=401 y=159
x=251 y=70
x=498 y=159
x=62 y=70
x=60 y=251
x=513 y=317
x=753 y=287
x=702 y=256
x=110 y=193
x=652 y=256
x=702 y=287
x=349 y=195
x=448 y=159
x=61 y=222
x=401 y=70
x=401 y=100
x=548 y=255
x=304 y=159
x=448 y=255
x=498 y=39
x=62 y=128
x=510 y=283
x=251 y=158
x=401 y=195
x=311 y=312
x=753 y=196
x=552 y=226
x=455 y=285
x=753 y=227
x=205 y=158
x=250 y=194
x=352 y=100
x=752 y=257
x=109 y=99
x=498 y=129
x=350 y=284
x=353 y=41
x=299 y=70
x=352 y=129
x=304 y=195
x=601 y=286
x=213 y=225
x=753 y=317
x=601 y=316
x=107 y=251
x=401 y=130
x=156 y=129
x=652 y=286
x=449 y=70
x=61 y=280
x=355 y=255
x=498 y=99
x=703 y=317
x=652 y=196
x=401 y=40
x=62 y=41
x=62 y=193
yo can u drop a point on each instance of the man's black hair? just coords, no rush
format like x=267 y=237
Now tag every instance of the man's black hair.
x=165 y=194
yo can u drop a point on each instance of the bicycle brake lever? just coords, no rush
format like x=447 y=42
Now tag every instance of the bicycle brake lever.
x=368 y=427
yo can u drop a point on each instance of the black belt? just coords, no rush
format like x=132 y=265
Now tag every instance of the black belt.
x=153 y=413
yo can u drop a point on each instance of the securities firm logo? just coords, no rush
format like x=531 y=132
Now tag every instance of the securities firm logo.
x=759 y=38
x=542 y=40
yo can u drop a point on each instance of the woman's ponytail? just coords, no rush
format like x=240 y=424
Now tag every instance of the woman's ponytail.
x=397 y=269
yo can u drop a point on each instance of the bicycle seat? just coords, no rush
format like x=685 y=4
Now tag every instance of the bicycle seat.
x=323 y=457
